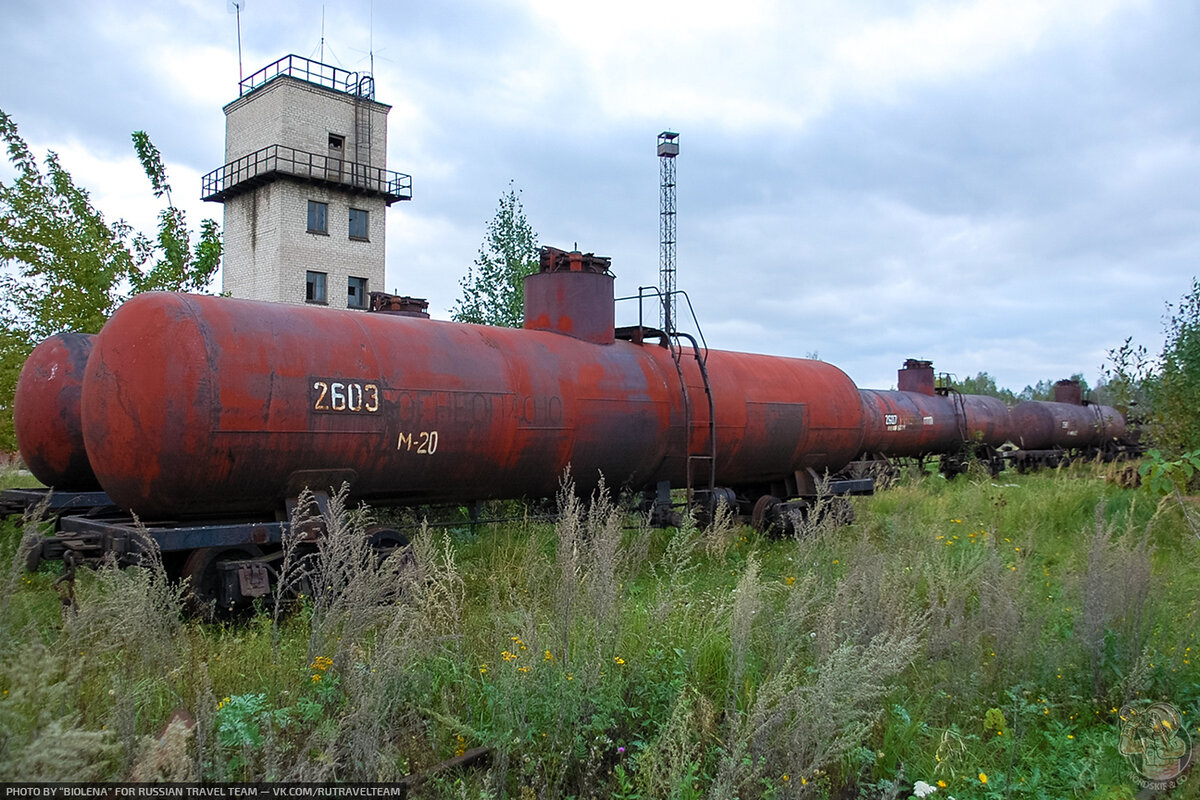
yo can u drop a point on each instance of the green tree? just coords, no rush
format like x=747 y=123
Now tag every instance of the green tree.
x=1127 y=380
x=1176 y=392
x=1042 y=390
x=985 y=384
x=493 y=290
x=66 y=269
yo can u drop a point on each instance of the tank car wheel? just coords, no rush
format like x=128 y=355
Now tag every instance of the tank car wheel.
x=385 y=541
x=765 y=516
x=203 y=574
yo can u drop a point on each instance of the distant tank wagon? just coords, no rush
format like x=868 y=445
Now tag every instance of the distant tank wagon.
x=1046 y=433
x=921 y=419
x=918 y=420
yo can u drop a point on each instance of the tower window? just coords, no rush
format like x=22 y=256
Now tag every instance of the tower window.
x=314 y=289
x=337 y=144
x=356 y=293
x=359 y=224
x=318 y=217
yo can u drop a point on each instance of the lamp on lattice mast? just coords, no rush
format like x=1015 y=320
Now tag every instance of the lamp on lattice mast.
x=668 y=148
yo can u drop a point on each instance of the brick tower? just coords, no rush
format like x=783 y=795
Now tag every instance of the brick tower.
x=305 y=186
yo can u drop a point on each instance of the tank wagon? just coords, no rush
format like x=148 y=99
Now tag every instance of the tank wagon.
x=208 y=416
x=46 y=418
x=920 y=420
x=1049 y=433
x=46 y=412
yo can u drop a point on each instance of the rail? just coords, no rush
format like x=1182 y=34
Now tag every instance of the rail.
x=654 y=291
x=314 y=72
x=275 y=160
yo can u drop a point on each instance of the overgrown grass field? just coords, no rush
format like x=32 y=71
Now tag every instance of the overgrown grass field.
x=979 y=635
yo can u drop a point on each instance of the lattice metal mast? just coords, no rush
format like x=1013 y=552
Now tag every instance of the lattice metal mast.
x=668 y=148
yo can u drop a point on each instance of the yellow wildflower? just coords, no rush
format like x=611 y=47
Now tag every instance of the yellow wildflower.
x=983 y=777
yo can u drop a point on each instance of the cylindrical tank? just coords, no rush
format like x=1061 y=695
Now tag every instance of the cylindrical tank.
x=46 y=413
x=915 y=424
x=204 y=405
x=987 y=418
x=909 y=423
x=1043 y=425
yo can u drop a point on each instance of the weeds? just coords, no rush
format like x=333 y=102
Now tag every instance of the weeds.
x=955 y=630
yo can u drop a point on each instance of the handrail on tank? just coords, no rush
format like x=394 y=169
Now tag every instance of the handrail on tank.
x=654 y=291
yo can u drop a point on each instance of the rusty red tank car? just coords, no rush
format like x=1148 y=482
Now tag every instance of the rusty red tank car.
x=916 y=420
x=212 y=406
x=46 y=413
x=1066 y=423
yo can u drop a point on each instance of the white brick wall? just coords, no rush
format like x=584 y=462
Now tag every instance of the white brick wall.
x=268 y=249
x=301 y=115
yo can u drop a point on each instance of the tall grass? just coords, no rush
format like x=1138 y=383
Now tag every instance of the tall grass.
x=956 y=629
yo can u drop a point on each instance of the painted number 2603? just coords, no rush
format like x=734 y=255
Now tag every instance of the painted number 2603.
x=337 y=396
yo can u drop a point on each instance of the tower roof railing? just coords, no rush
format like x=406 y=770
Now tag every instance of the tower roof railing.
x=305 y=69
x=277 y=161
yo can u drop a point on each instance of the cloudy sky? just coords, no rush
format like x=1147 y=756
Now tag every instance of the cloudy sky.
x=1010 y=186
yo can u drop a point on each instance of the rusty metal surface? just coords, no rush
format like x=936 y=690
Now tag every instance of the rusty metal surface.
x=916 y=376
x=909 y=423
x=777 y=415
x=1068 y=391
x=202 y=405
x=46 y=413
x=384 y=303
x=571 y=294
x=918 y=423
x=988 y=420
x=1041 y=425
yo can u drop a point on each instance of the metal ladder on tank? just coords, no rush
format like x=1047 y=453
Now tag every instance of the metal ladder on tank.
x=694 y=458
x=959 y=401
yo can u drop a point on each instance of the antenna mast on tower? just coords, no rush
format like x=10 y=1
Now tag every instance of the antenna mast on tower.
x=668 y=148
x=235 y=7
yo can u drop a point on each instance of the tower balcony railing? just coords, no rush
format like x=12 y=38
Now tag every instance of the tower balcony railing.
x=305 y=69
x=277 y=161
